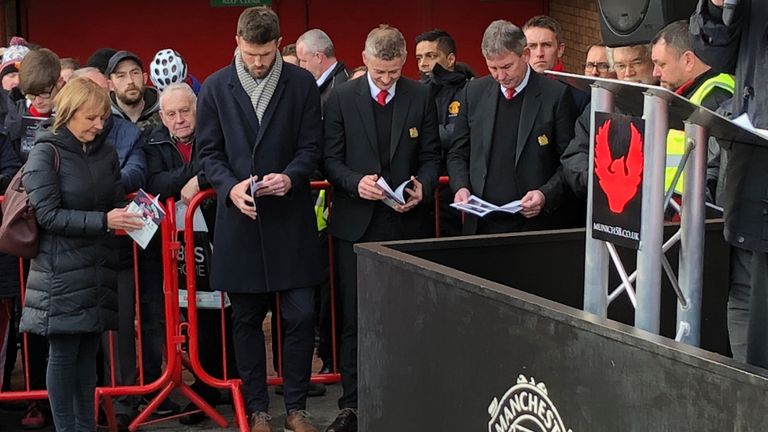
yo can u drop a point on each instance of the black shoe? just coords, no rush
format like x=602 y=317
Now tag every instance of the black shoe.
x=195 y=416
x=346 y=421
x=166 y=407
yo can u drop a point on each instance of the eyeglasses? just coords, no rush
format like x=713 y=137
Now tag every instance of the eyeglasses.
x=600 y=66
x=44 y=95
x=634 y=64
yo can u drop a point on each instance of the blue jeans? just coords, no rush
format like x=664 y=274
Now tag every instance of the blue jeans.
x=71 y=381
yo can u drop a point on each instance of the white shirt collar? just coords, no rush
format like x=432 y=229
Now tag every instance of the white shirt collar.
x=375 y=90
x=326 y=74
x=520 y=87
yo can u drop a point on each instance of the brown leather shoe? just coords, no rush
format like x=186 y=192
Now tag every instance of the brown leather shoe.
x=346 y=421
x=260 y=422
x=298 y=421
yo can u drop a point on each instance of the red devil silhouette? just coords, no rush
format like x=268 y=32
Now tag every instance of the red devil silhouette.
x=619 y=178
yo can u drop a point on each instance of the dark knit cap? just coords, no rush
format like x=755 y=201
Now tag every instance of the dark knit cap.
x=100 y=58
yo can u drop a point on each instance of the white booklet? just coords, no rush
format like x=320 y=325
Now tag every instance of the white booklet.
x=395 y=197
x=745 y=122
x=480 y=207
x=152 y=214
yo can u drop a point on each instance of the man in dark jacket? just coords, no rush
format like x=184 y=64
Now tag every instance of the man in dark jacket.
x=736 y=43
x=174 y=170
x=381 y=126
x=436 y=57
x=511 y=130
x=131 y=98
x=32 y=100
x=259 y=162
x=316 y=53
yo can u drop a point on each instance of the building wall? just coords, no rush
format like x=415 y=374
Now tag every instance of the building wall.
x=581 y=28
x=204 y=35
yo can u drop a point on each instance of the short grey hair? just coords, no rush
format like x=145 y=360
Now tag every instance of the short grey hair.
x=84 y=71
x=182 y=87
x=646 y=52
x=385 y=43
x=317 y=41
x=502 y=37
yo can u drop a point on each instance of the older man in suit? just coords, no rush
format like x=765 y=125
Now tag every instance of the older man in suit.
x=265 y=239
x=512 y=128
x=381 y=126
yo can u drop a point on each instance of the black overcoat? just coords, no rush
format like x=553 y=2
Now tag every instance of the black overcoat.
x=278 y=251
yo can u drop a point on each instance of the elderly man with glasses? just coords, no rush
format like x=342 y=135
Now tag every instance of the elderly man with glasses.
x=597 y=64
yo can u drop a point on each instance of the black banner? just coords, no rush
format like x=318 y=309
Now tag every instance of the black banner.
x=618 y=179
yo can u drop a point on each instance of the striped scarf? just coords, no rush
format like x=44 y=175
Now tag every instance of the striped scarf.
x=260 y=93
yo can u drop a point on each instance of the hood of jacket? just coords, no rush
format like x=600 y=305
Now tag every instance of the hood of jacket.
x=444 y=78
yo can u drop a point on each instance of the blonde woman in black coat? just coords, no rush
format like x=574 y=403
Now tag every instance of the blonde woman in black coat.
x=71 y=292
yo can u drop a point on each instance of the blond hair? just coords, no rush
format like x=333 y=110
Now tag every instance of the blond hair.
x=77 y=93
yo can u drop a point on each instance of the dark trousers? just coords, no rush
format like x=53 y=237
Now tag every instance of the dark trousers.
x=124 y=344
x=248 y=313
x=748 y=306
x=152 y=305
x=210 y=351
x=385 y=225
x=72 y=381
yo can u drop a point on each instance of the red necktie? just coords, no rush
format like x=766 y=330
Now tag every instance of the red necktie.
x=382 y=97
x=509 y=93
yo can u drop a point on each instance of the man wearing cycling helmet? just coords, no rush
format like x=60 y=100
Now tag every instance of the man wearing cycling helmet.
x=168 y=67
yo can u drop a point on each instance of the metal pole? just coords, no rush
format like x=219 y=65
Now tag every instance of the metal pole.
x=692 y=227
x=648 y=283
x=596 y=255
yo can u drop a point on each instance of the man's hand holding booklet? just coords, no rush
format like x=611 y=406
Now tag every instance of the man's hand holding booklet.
x=480 y=207
x=397 y=199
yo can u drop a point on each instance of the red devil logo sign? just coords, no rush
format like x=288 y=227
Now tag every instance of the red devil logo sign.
x=619 y=178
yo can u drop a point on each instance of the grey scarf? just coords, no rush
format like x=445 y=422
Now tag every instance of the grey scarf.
x=262 y=92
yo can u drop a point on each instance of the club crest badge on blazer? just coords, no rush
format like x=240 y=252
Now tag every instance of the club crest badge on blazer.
x=543 y=140
x=413 y=132
x=453 y=108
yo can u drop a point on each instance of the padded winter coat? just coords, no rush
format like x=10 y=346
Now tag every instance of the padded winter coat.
x=72 y=282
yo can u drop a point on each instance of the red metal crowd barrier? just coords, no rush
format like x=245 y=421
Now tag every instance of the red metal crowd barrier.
x=178 y=333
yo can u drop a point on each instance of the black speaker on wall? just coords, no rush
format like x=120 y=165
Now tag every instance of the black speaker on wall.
x=632 y=22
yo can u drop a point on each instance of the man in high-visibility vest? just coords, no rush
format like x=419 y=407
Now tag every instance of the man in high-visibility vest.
x=680 y=70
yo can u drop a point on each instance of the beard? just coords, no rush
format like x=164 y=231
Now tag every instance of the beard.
x=261 y=73
x=130 y=99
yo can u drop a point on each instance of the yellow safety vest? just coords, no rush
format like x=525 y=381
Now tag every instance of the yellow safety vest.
x=676 y=138
x=321 y=213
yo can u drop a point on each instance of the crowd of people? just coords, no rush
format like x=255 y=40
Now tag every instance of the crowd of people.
x=259 y=129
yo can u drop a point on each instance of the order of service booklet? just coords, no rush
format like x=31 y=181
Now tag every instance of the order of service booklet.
x=395 y=197
x=152 y=214
x=480 y=207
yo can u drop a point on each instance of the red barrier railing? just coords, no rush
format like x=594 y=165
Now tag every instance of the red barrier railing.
x=178 y=333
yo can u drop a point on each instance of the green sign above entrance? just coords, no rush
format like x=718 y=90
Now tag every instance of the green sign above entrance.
x=225 y=3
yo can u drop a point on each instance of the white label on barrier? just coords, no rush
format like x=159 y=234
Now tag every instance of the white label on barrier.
x=205 y=299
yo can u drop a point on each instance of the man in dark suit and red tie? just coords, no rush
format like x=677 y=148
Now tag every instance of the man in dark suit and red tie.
x=381 y=126
x=512 y=128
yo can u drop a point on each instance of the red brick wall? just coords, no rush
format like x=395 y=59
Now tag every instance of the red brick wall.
x=581 y=28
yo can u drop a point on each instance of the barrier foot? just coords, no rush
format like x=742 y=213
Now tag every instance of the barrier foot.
x=109 y=412
x=153 y=405
x=238 y=405
x=203 y=405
